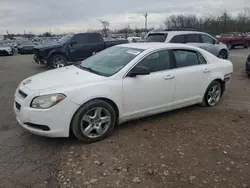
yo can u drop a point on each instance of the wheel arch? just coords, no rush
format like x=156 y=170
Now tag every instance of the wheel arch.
x=54 y=52
x=221 y=81
x=221 y=50
x=109 y=101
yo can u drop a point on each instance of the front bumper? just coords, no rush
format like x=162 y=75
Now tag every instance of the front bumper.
x=56 y=120
x=39 y=60
x=5 y=52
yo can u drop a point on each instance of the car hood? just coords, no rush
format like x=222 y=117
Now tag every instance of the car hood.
x=66 y=76
x=49 y=45
x=27 y=46
x=5 y=48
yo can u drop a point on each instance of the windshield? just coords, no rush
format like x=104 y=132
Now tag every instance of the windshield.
x=110 y=61
x=159 y=37
x=65 y=38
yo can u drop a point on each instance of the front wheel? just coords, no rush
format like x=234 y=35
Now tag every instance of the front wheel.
x=213 y=94
x=94 y=121
x=223 y=54
x=246 y=45
x=57 y=61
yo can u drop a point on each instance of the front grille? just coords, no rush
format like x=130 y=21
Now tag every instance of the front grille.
x=36 y=126
x=22 y=94
x=18 y=106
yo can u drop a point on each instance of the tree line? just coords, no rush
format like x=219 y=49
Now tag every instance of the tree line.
x=222 y=23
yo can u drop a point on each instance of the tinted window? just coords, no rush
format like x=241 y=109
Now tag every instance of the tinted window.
x=207 y=39
x=202 y=60
x=156 y=61
x=193 y=38
x=178 y=39
x=185 y=58
x=94 y=38
x=81 y=39
x=160 y=37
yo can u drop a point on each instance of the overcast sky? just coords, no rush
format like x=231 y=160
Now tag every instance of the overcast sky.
x=59 y=16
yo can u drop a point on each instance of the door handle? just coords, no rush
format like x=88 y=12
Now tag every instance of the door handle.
x=169 y=77
x=206 y=70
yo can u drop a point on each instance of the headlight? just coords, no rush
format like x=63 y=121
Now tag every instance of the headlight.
x=46 y=101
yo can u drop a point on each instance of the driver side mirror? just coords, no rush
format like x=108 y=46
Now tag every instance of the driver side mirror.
x=216 y=42
x=138 y=70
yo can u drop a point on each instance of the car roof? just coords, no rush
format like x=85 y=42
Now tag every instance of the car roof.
x=156 y=45
x=177 y=32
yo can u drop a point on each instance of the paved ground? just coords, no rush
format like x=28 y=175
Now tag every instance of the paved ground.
x=191 y=147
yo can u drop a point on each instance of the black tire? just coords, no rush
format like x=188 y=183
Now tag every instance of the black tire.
x=229 y=46
x=223 y=54
x=52 y=60
x=76 y=121
x=246 y=45
x=205 y=102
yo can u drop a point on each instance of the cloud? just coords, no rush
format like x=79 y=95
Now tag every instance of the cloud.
x=79 y=15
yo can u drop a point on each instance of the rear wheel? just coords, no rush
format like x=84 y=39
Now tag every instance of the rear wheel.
x=223 y=54
x=57 y=61
x=213 y=94
x=229 y=46
x=94 y=121
x=246 y=45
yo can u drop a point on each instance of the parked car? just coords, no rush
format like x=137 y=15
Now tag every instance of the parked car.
x=233 y=40
x=118 y=84
x=134 y=39
x=5 y=49
x=26 y=47
x=248 y=66
x=72 y=48
x=190 y=36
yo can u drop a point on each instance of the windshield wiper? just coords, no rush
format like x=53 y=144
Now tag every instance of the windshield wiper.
x=88 y=69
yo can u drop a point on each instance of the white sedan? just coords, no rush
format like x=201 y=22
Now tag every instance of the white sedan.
x=118 y=84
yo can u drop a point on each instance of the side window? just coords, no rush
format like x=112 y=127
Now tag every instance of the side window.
x=185 y=58
x=207 y=39
x=195 y=38
x=178 y=39
x=81 y=39
x=93 y=38
x=202 y=60
x=157 y=61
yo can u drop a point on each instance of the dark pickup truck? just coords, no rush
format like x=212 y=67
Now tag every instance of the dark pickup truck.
x=72 y=48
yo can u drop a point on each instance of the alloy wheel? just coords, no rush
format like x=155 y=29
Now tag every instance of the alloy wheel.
x=214 y=95
x=95 y=122
x=223 y=55
x=58 y=62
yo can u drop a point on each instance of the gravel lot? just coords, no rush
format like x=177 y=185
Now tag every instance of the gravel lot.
x=191 y=147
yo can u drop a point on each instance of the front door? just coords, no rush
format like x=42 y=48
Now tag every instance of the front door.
x=153 y=93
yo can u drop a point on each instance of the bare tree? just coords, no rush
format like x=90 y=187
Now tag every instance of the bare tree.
x=105 y=25
x=221 y=23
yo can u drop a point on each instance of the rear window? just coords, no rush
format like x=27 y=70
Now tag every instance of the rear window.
x=159 y=37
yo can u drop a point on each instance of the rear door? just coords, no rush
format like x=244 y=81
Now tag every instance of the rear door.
x=191 y=77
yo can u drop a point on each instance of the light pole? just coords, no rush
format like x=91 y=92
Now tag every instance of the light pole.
x=146 y=21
